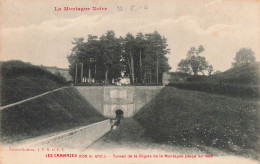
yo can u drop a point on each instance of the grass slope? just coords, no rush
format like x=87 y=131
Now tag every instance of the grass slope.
x=190 y=118
x=241 y=81
x=21 y=80
x=57 y=111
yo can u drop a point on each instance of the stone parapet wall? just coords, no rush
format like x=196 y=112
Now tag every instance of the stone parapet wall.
x=79 y=138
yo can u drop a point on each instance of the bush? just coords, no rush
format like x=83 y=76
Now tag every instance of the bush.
x=196 y=78
x=236 y=90
x=148 y=84
x=240 y=81
x=91 y=84
x=247 y=74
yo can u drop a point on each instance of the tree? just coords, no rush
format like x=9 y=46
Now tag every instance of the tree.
x=194 y=63
x=84 y=57
x=243 y=56
x=184 y=66
x=93 y=50
x=217 y=72
x=160 y=49
x=141 y=58
x=140 y=45
x=111 y=54
x=144 y=57
x=155 y=62
x=73 y=58
x=210 y=70
x=130 y=47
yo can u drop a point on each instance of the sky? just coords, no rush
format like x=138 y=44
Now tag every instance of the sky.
x=32 y=31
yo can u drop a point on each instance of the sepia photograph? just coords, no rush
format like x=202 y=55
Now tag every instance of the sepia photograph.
x=129 y=81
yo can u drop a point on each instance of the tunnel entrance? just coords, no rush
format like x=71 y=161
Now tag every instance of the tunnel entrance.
x=119 y=113
x=119 y=116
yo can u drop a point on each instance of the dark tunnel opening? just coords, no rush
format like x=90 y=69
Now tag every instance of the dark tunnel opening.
x=119 y=113
x=119 y=116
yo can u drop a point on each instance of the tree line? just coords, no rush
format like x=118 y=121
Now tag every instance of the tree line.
x=141 y=58
x=194 y=63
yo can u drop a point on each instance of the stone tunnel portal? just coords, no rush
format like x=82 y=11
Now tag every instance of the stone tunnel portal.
x=109 y=100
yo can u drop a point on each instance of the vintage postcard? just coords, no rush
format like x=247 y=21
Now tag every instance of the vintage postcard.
x=129 y=81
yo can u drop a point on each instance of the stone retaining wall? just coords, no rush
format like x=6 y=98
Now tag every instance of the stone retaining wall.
x=108 y=99
x=79 y=138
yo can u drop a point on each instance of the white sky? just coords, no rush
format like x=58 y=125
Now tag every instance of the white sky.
x=33 y=32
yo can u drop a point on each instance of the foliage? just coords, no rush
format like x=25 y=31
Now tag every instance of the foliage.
x=155 y=62
x=111 y=55
x=177 y=77
x=240 y=81
x=184 y=66
x=244 y=56
x=217 y=72
x=247 y=74
x=194 y=63
x=210 y=70
x=141 y=58
x=235 y=90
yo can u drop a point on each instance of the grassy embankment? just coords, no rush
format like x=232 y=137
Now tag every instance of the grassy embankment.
x=191 y=118
x=242 y=81
x=21 y=80
x=56 y=111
